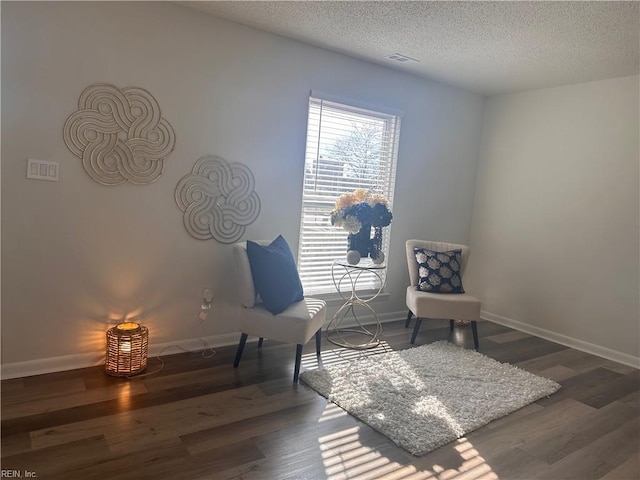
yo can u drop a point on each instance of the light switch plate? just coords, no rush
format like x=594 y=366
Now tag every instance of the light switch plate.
x=43 y=170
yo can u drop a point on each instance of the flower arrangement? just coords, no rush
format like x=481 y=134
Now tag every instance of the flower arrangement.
x=358 y=208
x=357 y=212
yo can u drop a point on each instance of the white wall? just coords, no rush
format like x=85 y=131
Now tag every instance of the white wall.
x=555 y=233
x=78 y=256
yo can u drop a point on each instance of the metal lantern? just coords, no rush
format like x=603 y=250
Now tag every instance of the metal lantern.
x=127 y=346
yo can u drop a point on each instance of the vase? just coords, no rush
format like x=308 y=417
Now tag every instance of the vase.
x=361 y=241
x=376 y=246
x=353 y=257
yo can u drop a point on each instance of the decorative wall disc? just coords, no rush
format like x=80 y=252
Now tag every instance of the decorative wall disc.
x=218 y=199
x=119 y=134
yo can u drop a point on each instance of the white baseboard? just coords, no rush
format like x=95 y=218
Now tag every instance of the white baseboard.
x=82 y=360
x=581 y=345
x=71 y=362
x=369 y=319
x=49 y=365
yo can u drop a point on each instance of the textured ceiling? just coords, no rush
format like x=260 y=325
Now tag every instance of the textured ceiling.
x=486 y=47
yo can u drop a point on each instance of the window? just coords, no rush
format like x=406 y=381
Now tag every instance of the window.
x=348 y=147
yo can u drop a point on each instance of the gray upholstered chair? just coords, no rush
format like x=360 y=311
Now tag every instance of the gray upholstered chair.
x=297 y=324
x=459 y=306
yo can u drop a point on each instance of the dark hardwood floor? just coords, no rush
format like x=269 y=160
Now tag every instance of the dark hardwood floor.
x=199 y=418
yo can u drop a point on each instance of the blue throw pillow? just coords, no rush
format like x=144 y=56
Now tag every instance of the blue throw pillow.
x=439 y=272
x=275 y=275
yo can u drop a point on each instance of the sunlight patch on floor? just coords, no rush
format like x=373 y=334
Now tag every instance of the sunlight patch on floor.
x=472 y=466
x=338 y=356
x=338 y=438
x=344 y=457
x=331 y=412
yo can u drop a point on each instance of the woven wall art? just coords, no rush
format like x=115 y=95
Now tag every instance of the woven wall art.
x=119 y=134
x=217 y=199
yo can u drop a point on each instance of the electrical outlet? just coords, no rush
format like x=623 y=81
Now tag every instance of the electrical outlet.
x=43 y=169
x=207 y=299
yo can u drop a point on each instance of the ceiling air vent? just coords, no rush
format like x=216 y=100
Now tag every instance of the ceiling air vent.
x=397 y=57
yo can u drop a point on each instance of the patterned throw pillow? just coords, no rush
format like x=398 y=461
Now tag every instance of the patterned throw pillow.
x=439 y=272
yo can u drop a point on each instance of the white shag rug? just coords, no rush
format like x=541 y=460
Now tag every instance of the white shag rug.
x=425 y=397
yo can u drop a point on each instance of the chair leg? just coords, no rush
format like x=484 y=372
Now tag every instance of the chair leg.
x=451 y=325
x=415 y=330
x=243 y=340
x=296 y=369
x=409 y=315
x=318 y=342
x=474 y=328
x=260 y=340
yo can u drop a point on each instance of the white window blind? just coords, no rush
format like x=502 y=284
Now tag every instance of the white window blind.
x=348 y=147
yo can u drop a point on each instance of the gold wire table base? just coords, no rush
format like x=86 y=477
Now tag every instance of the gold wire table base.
x=334 y=332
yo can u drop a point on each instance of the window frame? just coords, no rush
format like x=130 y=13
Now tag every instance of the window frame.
x=318 y=202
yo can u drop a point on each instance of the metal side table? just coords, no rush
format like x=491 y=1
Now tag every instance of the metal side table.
x=342 y=271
